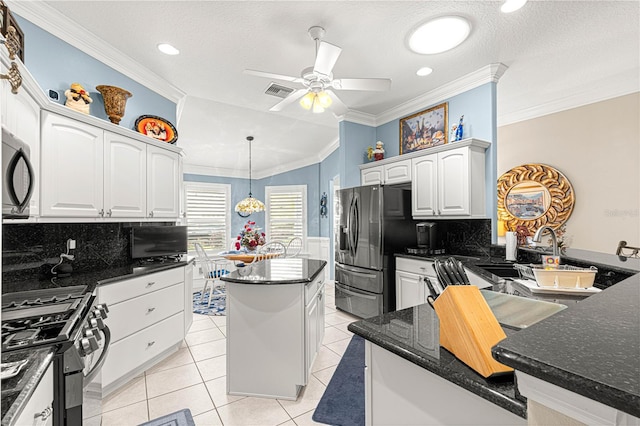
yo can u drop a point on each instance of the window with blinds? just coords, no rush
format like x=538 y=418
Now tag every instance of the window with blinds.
x=208 y=215
x=286 y=213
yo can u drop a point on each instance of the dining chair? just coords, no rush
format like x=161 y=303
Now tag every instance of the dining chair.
x=212 y=269
x=294 y=247
x=270 y=250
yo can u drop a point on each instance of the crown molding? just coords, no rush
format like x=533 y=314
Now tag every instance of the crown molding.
x=199 y=169
x=360 y=118
x=328 y=149
x=487 y=74
x=566 y=103
x=49 y=19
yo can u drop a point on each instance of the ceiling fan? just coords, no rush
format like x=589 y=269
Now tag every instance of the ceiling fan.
x=318 y=80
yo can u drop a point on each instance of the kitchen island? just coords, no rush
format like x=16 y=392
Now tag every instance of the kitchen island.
x=581 y=364
x=275 y=326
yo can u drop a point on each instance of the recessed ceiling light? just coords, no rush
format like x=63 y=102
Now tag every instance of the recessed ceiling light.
x=439 y=35
x=168 y=49
x=512 y=5
x=424 y=71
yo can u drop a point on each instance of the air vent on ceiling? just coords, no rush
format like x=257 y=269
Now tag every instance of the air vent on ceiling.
x=277 y=90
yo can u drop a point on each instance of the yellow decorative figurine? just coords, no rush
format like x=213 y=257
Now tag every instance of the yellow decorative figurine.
x=77 y=98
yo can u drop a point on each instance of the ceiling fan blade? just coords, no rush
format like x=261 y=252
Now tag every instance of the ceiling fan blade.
x=337 y=107
x=372 y=84
x=272 y=75
x=289 y=100
x=326 y=58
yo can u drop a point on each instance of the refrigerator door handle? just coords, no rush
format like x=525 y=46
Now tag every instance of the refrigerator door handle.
x=355 y=226
x=356 y=273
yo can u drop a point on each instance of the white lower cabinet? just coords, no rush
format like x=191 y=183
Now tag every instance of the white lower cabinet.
x=39 y=410
x=188 y=297
x=274 y=333
x=411 y=288
x=147 y=323
x=314 y=327
x=399 y=392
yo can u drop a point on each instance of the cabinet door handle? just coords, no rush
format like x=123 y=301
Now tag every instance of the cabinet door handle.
x=150 y=283
x=109 y=212
x=101 y=212
x=153 y=342
x=151 y=213
x=150 y=310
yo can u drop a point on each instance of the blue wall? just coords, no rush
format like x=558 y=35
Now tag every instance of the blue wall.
x=56 y=64
x=354 y=140
x=478 y=106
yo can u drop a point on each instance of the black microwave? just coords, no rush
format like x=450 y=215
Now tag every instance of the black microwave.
x=18 y=177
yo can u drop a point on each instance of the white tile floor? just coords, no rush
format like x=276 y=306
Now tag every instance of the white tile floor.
x=194 y=378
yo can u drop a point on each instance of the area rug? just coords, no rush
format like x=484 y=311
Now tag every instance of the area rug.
x=218 y=302
x=179 y=418
x=343 y=401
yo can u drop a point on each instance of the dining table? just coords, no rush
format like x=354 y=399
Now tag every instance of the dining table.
x=249 y=257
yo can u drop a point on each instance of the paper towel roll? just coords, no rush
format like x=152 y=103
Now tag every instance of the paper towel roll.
x=512 y=246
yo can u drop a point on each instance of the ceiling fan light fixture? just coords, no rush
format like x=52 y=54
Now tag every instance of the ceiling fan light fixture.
x=324 y=99
x=168 y=49
x=317 y=108
x=512 y=5
x=439 y=35
x=307 y=100
x=249 y=205
x=424 y=71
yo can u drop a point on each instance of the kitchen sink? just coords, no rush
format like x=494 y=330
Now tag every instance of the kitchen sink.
x=503 y=270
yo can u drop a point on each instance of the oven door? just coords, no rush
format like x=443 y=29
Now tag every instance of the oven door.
x=92 y=382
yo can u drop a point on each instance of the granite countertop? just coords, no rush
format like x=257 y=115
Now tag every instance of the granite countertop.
x=17 y=390
x=91 y=278
x=413 y=334
x=592 y=349
x=290 y=270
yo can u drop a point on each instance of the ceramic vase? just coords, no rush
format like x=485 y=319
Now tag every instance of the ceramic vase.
x=115 y=100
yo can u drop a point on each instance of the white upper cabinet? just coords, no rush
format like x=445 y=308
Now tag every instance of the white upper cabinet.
x=72 y=168
x=163 y=183
x=125 y=177
x=424 y=187
x=450 y=183
x=372 y=176
x=397 y=172
x=387 y=174
x=93 y=173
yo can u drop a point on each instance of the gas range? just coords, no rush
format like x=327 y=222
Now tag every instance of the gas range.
x=68 y=320
x=42 y=317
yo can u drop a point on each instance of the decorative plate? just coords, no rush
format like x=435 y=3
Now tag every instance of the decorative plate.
x=157 y=128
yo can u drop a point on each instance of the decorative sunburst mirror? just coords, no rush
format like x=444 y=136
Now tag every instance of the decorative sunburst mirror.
x=534 y=195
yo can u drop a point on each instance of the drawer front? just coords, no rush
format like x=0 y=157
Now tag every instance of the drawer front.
x=311 y=288
x=113 y=293
x=363 y=279
x=359 y=303
x=422 y=267
x=133 y=351
x=132 y=315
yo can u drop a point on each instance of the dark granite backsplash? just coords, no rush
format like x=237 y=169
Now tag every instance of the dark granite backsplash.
x=468 y=237
x=27 y=247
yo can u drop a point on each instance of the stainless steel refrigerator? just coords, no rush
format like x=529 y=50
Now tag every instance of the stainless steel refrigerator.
x=375 y=223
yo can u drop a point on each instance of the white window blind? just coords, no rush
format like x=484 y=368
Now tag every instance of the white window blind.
x=208 y=215
x=286 y=215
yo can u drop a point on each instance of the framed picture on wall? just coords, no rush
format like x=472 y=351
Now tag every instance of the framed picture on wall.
x=424 y=129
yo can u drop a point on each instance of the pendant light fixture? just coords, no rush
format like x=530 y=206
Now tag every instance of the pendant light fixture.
x=249 y=205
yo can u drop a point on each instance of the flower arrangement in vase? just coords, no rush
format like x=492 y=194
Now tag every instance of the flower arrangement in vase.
x=250 y=237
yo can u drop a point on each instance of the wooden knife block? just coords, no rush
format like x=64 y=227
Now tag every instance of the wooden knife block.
x=468 y=328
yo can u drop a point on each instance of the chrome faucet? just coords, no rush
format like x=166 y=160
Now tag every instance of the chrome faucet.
x=554 y=238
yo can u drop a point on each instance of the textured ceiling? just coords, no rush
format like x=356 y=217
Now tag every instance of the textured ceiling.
x=559 y=54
